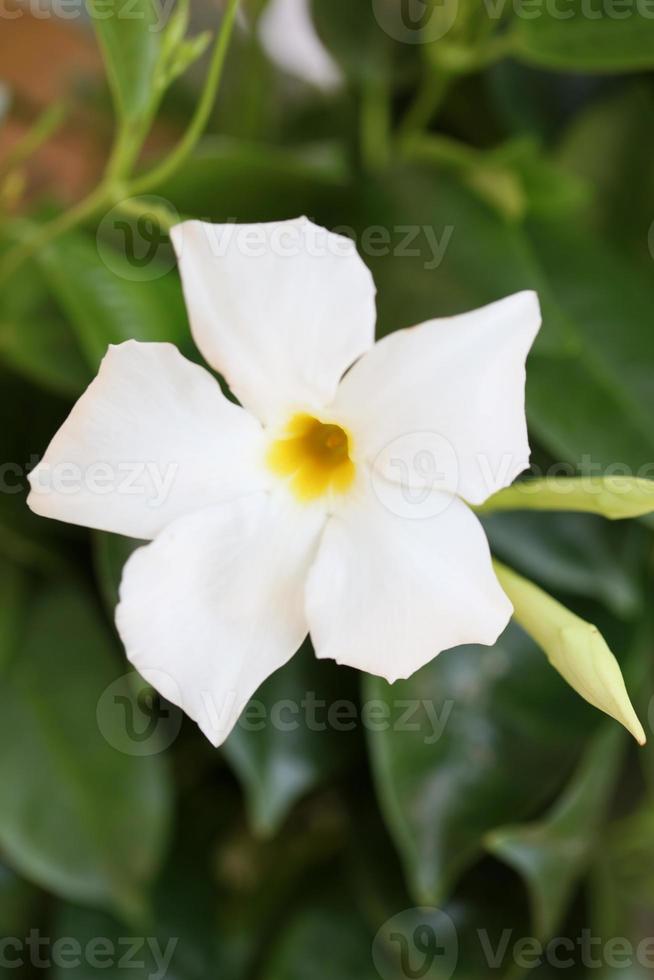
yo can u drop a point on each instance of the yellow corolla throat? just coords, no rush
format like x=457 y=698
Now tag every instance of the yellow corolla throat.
x=314 y=456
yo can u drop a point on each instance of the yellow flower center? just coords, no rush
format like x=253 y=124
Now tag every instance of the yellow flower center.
x=314 y=455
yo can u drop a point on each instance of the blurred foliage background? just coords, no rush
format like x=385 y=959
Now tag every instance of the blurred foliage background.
x=473 y=150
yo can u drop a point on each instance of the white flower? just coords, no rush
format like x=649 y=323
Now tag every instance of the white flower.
x=289 y=37
x=329 y=503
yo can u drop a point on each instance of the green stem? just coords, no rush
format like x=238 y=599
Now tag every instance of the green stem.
x=196 y=127
x=375 y=124
x=428 y=100
x=135 y=208
x=114 y=184
x=64 y=222
x=46 y=124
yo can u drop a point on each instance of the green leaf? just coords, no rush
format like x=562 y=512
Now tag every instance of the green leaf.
x=325 y=939
x=18 y=906
x=586 y=36
x=604 y=423
x=553 y=854
x=226 y=177
x=615 y=497
x=130 y=38
x=607 y=146
x=105 y=303
x=280 y=755
x=574 y=647
x=476 y=738
x=110 y=552
x=621 y=891
x=595 y=308
x=83 y=819
x=44 y=351
x=14 y=588
x=34 y=340
x=580 y=555
x=353 y=35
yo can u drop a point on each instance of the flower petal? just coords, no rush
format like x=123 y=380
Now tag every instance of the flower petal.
x=290 y=38
x=443 y=405
x=281 y=309
x=152 y=438
x=388 y=592
x=215 y=604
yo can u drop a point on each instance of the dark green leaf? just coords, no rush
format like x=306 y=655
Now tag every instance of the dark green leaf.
x=584 y=35
x=107 y=301
x=110 y=552
x=574 y=553
x=490 y=734
x=553 y=854
x=594 y=405
x=234 y=180
x=83 y=819
x=290 y=738
x=326 y=939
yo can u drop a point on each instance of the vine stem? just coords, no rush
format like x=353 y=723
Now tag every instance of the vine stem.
x=200 y=118
x=114 y=184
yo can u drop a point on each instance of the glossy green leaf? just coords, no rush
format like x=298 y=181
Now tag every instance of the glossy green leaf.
x=297 y=732
x=184 y=939
x=84 y=819
x=603 y=423
x=226 y=178
x=476 y=738
x=590 y=393
x=574 y=647
x=615 y=497
x=130 y=38
x=576 y=554
x=584 y=35
x=35 y=341
x=554 y=853
x=45 y=352
x=106 y=302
